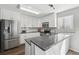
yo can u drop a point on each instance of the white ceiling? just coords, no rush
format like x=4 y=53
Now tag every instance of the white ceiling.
x=63 y=7
x=44 y=9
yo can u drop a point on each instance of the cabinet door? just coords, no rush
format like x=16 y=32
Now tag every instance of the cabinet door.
x=6 y=14
x=23 y=21
x=22 y=37
x=65 y=46
x=39 y=51
x=54 y=50
x=16 y=16
x=30 y=35
x=60 y=36
x=27 y=49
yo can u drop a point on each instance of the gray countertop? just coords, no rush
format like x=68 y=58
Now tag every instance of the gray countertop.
x=45 y=42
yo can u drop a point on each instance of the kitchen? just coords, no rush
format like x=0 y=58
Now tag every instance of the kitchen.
x=42 y=29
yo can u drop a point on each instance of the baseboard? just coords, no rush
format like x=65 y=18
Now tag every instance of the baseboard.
x=73 y=50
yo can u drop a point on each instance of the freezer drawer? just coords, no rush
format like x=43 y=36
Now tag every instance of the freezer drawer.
x=11 y=43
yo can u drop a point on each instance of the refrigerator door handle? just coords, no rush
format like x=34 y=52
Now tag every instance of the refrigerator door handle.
x=8 y=29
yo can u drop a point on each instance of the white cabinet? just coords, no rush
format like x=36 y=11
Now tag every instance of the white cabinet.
x=9 y=15
x=65 y=43
x=6 y=14
x=27 y=49
x=30 y=35
x=26 y=36
x=38 y=51
x=60 y=48
x=22 y=20
x=22 y=37
x=25 y=21
x=60 y=36
x=65 y=46
x=53 y=50
x=49 y=18
x=16 y=16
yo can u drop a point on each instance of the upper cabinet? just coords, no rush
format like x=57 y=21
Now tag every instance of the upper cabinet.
x=6 y=14
x=27 y=21
x=50 y=18
x=9 y=15
x=16 y=16
x=60 y=23
x=24 y=20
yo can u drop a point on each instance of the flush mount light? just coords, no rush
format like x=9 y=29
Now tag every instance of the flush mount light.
x=29 y=10
x=51 y=5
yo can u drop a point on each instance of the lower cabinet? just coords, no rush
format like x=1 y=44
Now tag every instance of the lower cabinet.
x=22 y=37
x=39 y=51
x=58 y=49
x=30 y=35
x=65 y=46
x=61 y=48
x=54 y=50
x=27 y=49
x=65 y=43
x=27 y=36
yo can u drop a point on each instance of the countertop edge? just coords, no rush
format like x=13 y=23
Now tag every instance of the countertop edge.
x=28 y=42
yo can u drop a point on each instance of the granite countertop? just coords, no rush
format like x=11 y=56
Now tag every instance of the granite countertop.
x=45 y=42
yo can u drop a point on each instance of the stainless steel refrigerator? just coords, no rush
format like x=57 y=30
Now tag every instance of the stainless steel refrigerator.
x=7 y=32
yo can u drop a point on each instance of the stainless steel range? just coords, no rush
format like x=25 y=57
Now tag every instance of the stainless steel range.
x=45 y=29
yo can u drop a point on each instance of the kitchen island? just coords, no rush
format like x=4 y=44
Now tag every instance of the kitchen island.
x=55 y=44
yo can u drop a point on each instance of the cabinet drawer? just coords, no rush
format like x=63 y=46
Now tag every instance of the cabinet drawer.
x=11 y=43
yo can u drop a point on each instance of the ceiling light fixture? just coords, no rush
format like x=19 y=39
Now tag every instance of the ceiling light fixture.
x=29 y=10
x=51 y=5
